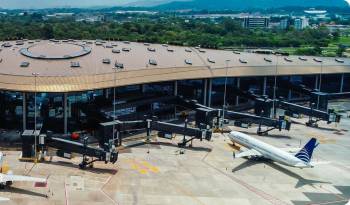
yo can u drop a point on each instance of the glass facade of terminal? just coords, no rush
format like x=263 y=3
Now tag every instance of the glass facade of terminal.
x=84 y=110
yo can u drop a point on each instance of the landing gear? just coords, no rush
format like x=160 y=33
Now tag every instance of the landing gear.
x=86 y=163
x=312 y=123
x=185 y=141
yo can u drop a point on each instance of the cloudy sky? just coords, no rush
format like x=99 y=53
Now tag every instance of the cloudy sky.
x=15 y=4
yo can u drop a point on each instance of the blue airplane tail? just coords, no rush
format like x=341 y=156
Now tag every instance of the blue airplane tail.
x=305 y=154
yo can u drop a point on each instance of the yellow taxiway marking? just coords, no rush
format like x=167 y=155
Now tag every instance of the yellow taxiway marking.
x=143 y=167
x=232 y=147
x=152 y=168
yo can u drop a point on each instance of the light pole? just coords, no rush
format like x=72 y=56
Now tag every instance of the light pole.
x=115 y=84
x=274 y=88
x=115 y=68
x=224 y=104
x=320 y=83
x=35 y=134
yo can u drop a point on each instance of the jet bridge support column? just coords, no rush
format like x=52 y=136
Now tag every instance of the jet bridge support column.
x=209 y=92
x=65 y=113
x=205 y=92
x=24 y=111
x=264 y=85
x=238 y=86
x=316 y=82
x=175 y=88
x=175 y=94
x=341 y=83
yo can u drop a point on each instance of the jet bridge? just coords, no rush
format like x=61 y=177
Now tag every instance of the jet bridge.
x=263 y=105
x=66 y=148
x=163 y=128
x=206 y=115
x=292 y=110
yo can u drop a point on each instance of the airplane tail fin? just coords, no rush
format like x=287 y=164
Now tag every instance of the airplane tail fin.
x=305 y=154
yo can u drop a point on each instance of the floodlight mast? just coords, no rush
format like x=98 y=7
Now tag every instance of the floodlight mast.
x=35 y=114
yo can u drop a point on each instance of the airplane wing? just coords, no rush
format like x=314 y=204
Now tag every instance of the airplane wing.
x=248 y=153
x=13 y=178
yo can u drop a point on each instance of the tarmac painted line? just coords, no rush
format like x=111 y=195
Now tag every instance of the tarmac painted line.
x=104 y=193
x=273 y=200
x=65 y=192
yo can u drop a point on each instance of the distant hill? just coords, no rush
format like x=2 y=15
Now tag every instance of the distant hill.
x=150 y=3
x=248 y=4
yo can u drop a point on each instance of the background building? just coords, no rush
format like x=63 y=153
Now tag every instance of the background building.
x=301 y=23
x=255 y=22
x=284 y=24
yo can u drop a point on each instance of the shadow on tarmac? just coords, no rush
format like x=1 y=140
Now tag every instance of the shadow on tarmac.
x=301 y=180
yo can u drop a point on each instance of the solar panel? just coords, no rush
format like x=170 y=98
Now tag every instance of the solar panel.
x=268 y=60
x=106 y=61
x=151 y=49
x=19 y=43
x=288 y=59
x=115 y=51
x=236 y=52
x=339 y=60
x=119 y=65
x=210 y=60
x=302 y=58
x=318 y=60
x=242 y=61
x=188 y=61
x=126 y=49
x=24 y=64
x=74 y=64
x=6 y=45
x=152 y=62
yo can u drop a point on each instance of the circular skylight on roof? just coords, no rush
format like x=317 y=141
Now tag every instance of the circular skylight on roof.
x=54 y=51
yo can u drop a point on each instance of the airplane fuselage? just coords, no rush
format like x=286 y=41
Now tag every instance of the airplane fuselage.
x=267 y=151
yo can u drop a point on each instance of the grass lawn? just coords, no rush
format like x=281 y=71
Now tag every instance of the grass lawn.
x=345 y=40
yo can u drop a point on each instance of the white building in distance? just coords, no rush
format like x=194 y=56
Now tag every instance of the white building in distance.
x=301 y=23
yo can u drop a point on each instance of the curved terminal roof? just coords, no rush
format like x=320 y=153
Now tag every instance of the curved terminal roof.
x=68 y=65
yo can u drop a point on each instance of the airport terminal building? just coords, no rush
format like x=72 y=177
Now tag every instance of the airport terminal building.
x=71 y=79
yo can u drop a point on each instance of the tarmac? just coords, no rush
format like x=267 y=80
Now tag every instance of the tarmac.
x=206 y=174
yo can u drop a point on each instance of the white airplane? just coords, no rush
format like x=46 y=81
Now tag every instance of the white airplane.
x=257 y=148
x=7 y=177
